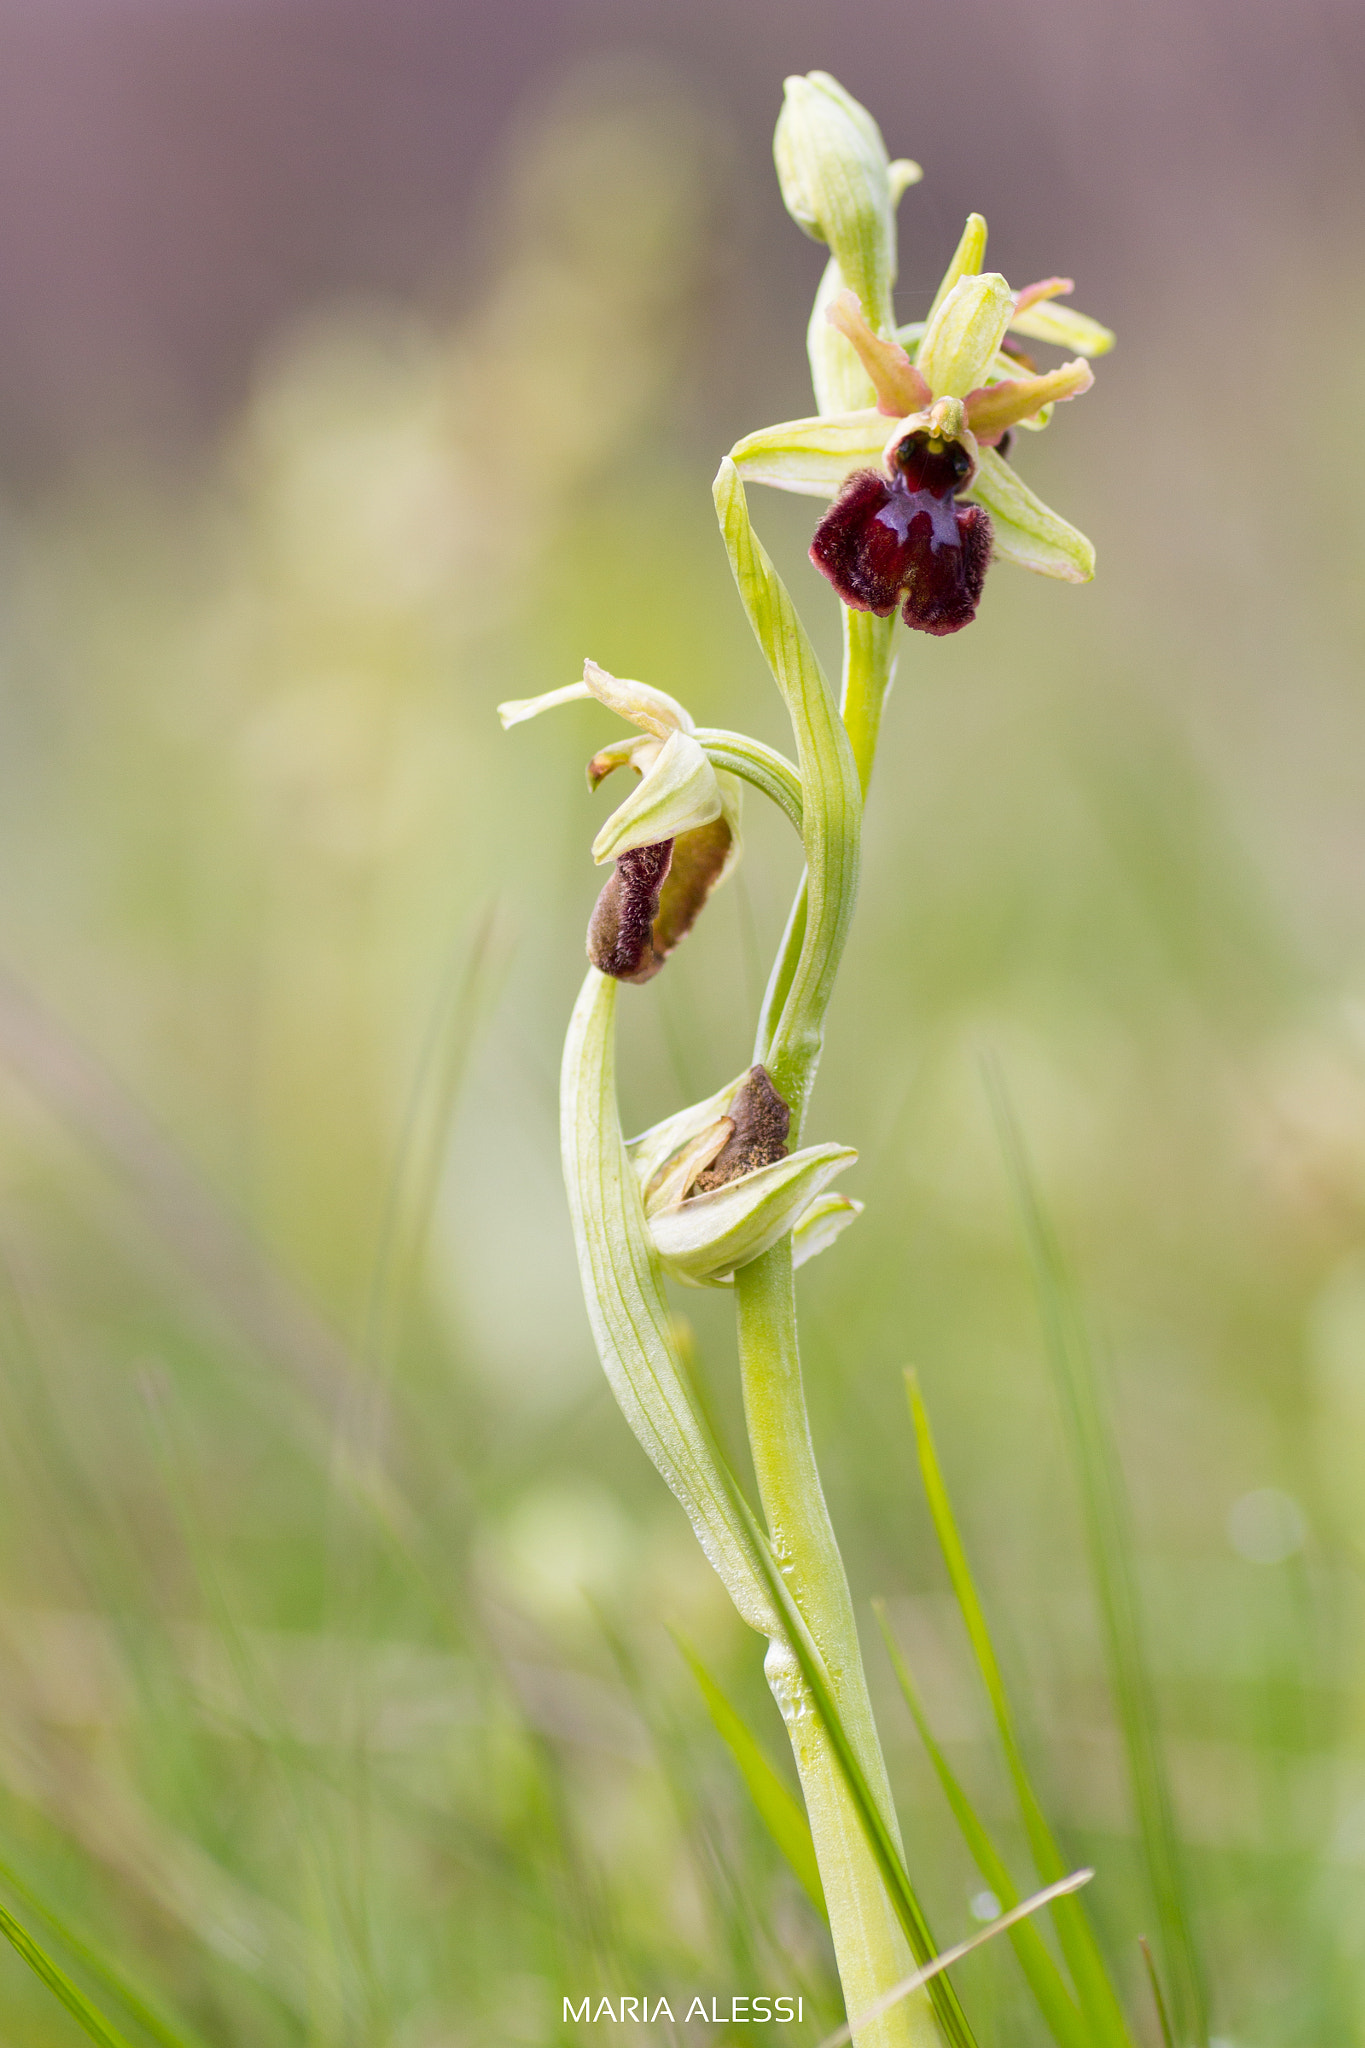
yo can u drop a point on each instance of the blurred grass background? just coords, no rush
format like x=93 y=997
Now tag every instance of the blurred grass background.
x=362 y=372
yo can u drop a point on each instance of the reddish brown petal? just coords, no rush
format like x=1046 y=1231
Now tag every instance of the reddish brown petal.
x=945 y=586
x=899 y=386
x=620 y=932
x=865 y=557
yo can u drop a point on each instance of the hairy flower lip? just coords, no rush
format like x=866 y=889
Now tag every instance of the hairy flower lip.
x=962 y=384
x=883 y=546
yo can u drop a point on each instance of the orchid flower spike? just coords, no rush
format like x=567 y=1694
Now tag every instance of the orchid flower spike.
x=720 y=1187
x=918 y=527
x=674 y=839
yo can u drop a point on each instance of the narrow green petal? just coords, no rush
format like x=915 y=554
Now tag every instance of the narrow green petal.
x=517 y=710
x=631 y=1326
x=827 y=1218
x=812 y=456
x=964 y=334
x=1026 y=530
x=704 y=1240
x=679 y=793
x=1047 y=321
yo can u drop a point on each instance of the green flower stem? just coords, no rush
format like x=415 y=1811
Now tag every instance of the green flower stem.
x=868 y=667
x=780 y=980
x=869 y=1944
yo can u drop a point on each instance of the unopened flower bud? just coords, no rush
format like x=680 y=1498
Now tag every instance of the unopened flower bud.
x=836 y=184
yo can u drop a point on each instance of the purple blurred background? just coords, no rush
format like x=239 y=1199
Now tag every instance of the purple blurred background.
x=179 y=176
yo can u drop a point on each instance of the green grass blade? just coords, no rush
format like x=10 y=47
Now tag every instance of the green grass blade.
x=1098 y=2000
x=778 y=1808
x=1163 y=2018
x=947 y=2006
x=1108 y=1526
x=1045 y=1980
x=57 y=1982
x=135 y=2001
x=1013 y=1918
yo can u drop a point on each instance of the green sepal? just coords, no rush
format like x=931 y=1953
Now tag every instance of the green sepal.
x=1047 y=321
x=827 y=1218
x=1026 y=530
x=516 y=710
x=840 y=382
x=705 y=1239
x=968 y=258
x=679 y=792
x=964 y=333
x=813 y=456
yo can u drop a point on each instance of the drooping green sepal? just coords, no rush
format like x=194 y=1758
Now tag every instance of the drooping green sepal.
x=1026 y=530
x=678 y=792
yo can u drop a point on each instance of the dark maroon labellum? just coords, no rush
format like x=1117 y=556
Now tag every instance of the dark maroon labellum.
x=759 y=1121
x=904 y=540
x=653 y=899
x=621 y=930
